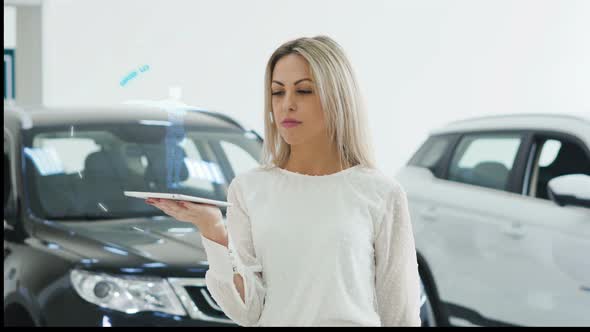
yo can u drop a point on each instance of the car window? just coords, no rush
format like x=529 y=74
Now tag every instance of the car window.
x=430 y=154
x=202 y=174
x=549 y=152
x=81 y=173
x=485 y=160
x=240 y=160
x=61 y=155
x=555 y=157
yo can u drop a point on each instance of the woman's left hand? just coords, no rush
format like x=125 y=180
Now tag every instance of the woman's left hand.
x=201 y=215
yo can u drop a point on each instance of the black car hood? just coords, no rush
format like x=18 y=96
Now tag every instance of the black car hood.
x=156 y=246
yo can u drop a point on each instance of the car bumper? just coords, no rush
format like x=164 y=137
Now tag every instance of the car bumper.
x=67 y=308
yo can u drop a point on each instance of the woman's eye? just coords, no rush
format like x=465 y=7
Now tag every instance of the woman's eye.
x=300 y=91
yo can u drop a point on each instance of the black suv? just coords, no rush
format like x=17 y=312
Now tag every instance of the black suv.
x=76 y=250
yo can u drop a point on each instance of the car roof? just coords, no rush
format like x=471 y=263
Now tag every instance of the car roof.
x=577 y=124
x=32 y=116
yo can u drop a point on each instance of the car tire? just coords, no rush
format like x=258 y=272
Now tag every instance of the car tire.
x=427 y=315
x=15 y=315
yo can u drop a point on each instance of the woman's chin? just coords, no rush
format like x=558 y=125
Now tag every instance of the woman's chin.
x=292 y=140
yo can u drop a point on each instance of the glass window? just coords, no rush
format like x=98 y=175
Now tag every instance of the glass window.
x=61 y=155
x=202 y=174
x=549 y=152
x=431 y=153
x=556 y=157
x=485 y=160
x=81 y=173
x=239 y=158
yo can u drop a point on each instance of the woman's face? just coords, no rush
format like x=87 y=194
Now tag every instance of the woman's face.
x=294 y=96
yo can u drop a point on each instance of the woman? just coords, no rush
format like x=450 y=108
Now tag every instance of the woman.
x=316 y=235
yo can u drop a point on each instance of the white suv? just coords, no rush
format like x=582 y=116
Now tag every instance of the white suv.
x=501 y=214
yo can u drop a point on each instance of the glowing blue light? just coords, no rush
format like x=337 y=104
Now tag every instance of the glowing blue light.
x=174 y=159
x=133 y=74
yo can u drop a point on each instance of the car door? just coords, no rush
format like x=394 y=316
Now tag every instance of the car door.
x=555 y=239
x=499 y=257
x=469 y=227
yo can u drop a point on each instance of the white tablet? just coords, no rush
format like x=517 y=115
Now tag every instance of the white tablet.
x=178 y=197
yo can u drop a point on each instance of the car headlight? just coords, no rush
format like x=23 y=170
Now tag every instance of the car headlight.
x=127 y=294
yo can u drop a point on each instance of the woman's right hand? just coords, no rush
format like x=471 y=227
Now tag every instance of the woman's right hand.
x=207 y=218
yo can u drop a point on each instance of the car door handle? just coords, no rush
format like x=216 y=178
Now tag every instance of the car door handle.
x=429 y=214
x=515 y=231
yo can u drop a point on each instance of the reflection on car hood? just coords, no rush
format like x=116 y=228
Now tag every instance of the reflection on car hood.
x=155 y=246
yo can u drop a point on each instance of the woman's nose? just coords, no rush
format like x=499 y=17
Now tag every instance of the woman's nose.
x=289 y=102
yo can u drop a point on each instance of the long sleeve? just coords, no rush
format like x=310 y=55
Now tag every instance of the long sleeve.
x=397 y=282
x=239 y=258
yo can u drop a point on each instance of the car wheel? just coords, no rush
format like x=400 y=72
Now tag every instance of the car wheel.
x=426 y=312
x=15 y=315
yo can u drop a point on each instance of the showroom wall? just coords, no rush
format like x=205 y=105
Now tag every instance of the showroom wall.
x=420 y=64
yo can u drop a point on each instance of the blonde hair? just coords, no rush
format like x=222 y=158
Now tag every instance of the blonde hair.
x=340 y=99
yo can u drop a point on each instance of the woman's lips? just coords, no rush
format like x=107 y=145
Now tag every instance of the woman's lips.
x=290 y=124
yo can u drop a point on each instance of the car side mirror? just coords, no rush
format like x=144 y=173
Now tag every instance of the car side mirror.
x=572 y=189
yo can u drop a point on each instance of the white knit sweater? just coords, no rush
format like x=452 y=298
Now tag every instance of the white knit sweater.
x=330 y=250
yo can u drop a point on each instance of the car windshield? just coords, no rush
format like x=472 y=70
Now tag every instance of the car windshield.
x=81 y=172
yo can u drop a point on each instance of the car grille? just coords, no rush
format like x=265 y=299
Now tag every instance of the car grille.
x=197 y=300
